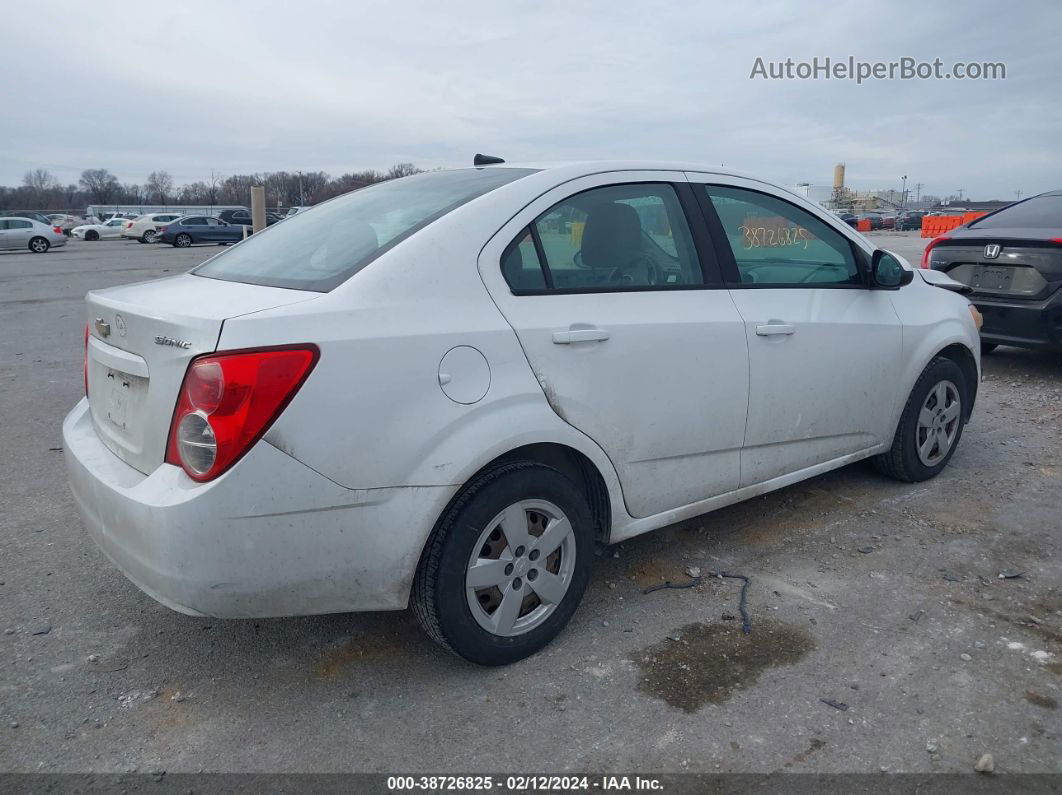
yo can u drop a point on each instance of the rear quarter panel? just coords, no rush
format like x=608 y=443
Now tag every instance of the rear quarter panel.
x=373 y=413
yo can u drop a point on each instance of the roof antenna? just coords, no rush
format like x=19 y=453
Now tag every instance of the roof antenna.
x=485 y=160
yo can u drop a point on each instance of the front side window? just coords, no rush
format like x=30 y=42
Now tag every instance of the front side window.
x=194 y=222
x=776 y=243
x=323 y=247
x=616 y=237
x=19 y=224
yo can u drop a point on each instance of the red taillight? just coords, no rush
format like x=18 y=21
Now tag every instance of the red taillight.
x=84 y=365
x=57 y=229
x=161 y=229
x=932 y=243
x=228 y=400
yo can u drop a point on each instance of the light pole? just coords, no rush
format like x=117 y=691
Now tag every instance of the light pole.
x=903 y=193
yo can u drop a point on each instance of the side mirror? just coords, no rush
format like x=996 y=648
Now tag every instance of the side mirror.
x=887 y=273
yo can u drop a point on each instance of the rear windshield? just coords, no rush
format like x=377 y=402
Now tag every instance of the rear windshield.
x=324 y=246
x=1039 y=212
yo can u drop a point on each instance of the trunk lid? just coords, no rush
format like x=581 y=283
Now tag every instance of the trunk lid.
x=141 y=338
x=1002 y=263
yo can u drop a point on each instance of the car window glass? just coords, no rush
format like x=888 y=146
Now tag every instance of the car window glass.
x=321 y=249
x=5 y=224
x=1039 y=212
x=520 y=264
x=619 y=236
x=777 y=243
x=19 y=224
x=195 y=222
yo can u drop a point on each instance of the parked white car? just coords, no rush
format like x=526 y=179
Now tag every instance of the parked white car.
x=29 y=234
x=145 y=228
x=445 y=389
x=107 y=229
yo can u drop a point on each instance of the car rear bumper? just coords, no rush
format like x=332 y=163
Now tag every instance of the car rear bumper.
x=1026 y=324
x=271 y=537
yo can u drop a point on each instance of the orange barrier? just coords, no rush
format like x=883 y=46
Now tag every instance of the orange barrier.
x=863 y=225
x=936 y=225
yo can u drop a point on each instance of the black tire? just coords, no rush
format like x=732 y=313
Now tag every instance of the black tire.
x=92 y=234
x=988 y=347
x=439 y=593
x=149 y=236
x=183 y=240
x=39 y=245
x=902 y=461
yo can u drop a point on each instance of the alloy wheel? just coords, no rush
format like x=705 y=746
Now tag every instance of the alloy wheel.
x=520 y=568
x=938 y=423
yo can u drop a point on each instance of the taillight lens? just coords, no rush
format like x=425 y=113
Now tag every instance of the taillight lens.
x=932 y=243
x=228 y=400
x=84 y=366
x=57 y=229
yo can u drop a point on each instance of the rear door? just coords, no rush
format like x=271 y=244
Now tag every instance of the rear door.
x=824 y=350
x=5 y=239
x=19 y=232
x=621 y=313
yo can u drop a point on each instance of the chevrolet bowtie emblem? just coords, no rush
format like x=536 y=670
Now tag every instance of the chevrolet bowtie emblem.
x=102 y=327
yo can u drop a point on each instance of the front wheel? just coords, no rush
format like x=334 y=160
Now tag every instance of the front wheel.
x=930 y=426
x=92 y=234
x=182 y=240
x=506 y=565
x=39 y=245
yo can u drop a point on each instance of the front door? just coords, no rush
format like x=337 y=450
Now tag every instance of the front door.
x=824 y=349
x=625 y=322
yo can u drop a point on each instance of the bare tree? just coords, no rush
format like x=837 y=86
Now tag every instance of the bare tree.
x=41 y=184
x=100 y=183
x=159 y=186
x=133 y=193
x=402 y=170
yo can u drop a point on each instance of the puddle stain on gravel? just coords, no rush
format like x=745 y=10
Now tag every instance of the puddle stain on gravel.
x=1040 y=700
x=709 y=662
x=369 y=647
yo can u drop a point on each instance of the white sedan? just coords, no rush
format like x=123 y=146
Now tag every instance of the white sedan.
x=445 y=390
x=108 y=229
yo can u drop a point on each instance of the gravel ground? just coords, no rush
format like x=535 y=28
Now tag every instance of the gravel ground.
x=883 y=637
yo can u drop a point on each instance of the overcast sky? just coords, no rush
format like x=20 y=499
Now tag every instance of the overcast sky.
x=261 y=86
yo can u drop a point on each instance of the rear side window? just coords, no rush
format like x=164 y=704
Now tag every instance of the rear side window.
x=1039 y=212
x=324 y=246
x=778 y=244
x=618 y=237
x=19 y=224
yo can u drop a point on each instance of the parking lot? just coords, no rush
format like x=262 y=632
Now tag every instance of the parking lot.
x=895 y=627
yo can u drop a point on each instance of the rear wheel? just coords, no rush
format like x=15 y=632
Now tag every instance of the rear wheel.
x=148 y=236
x=988 y=347
x=507 y=564
x=930 y=426
x=39 y=245
x=182 y=240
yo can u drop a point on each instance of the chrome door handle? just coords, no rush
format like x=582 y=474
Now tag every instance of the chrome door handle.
x=771 y=329
x=577 y=334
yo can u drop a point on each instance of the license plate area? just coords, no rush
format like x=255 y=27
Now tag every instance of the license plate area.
x=123 y=396
x=992 y=277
